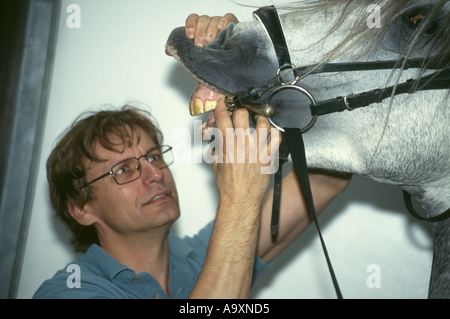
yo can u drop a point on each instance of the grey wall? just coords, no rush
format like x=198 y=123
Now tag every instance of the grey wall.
x=28 y=42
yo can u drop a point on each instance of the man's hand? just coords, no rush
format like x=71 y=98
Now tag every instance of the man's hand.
x=228 y=267
x=242 y=167
x=204 y=28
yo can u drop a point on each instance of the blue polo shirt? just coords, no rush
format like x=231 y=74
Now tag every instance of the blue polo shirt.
x=101 y=276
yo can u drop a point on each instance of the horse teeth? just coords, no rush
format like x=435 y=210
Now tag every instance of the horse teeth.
x=205 y=132
x=191 y=108
x=210 y=105
x=198 y=107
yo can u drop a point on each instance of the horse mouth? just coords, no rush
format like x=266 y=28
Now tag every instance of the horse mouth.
x=203 y=99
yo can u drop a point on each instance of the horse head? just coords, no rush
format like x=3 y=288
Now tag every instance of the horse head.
x=401 y=140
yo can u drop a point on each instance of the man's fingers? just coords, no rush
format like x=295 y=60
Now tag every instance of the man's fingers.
x=203 y=23
x=241 y=119
x=191 y=25
x=223 y=119
x=262 y=121
x=204 y=28
x=199 y=28
x=225 y=20
x=211 y=32
x=274 y=141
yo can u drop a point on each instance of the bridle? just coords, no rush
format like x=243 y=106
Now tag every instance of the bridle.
x=269 y=19
x=292 y=141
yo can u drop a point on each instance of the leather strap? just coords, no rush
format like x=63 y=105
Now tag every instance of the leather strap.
x=409 y=206
x=296 y=146
x=434 y=81
x=292 y=140
x=268 y=16
x=283 y=154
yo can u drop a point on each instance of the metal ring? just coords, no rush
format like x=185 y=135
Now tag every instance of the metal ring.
x=300 y=89
x=347 y=106
x=291 y=82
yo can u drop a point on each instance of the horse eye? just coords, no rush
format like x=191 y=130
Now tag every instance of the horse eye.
x=417 y=20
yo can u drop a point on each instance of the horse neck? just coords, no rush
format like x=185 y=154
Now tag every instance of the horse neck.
x=439 y=281
x=434 y=197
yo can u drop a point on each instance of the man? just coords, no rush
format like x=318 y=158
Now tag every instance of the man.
x=110 y=182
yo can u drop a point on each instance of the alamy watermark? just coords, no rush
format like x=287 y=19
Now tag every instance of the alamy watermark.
x=73 y=280
x=374 y=19
x=74 y=19
x=374 y=280
x=235 y=139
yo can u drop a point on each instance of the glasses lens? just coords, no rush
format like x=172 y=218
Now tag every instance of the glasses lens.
x=126 y=171
x=161 y=157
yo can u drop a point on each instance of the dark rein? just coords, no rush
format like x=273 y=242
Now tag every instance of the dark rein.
x=292 y=141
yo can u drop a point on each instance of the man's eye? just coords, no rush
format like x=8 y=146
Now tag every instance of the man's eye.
x=154 y=158
x=126 y=168
x=121 y=170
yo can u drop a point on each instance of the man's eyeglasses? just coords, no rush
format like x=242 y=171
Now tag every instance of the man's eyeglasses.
x=130 y=169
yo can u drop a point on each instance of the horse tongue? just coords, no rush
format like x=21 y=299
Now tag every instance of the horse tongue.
x=203 y=100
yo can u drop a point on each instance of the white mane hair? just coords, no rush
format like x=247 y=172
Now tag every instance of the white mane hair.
x=391 y=12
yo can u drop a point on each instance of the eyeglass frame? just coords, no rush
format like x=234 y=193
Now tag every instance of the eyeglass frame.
x=139 y=161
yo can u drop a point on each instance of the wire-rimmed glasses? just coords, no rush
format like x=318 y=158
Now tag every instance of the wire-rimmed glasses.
x=129 y=170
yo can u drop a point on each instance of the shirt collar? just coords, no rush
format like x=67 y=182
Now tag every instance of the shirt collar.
x=179 y=249
x=106 y=265
x=110 y=267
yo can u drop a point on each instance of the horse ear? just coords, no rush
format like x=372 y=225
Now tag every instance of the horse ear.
x=82 y=215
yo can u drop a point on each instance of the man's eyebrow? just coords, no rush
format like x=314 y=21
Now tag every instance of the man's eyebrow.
x=110 y=162
x=154 y=149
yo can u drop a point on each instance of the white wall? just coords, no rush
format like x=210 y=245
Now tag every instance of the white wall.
x=118 y=56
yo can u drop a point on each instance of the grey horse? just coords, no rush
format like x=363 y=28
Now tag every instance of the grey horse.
x=402 y=140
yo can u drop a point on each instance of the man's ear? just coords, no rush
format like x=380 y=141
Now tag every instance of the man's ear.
x=81 y=214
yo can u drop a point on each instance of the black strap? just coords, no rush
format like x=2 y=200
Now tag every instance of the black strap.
x=268 y=17
x=292 y=138
x=296 y=146
x=283 y=154
x=409 y=206
x=434 y=81
x=337 y=105
x=373 y=65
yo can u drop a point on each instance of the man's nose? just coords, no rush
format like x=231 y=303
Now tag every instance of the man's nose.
x=149 y=172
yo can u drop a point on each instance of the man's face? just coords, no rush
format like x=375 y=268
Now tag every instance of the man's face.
x=150 y=202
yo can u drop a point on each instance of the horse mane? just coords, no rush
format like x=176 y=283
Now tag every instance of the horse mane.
x=391 y=12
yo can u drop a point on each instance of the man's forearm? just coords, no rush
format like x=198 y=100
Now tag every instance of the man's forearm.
x=228 y=268
x=294 y=214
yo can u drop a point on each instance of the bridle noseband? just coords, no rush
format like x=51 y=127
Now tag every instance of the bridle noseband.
x=292 y=141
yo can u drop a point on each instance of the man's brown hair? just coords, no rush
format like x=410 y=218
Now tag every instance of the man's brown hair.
x=66 y=165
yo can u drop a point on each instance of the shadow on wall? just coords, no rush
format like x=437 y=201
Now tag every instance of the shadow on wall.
x=360 y=191
x=61 y=231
